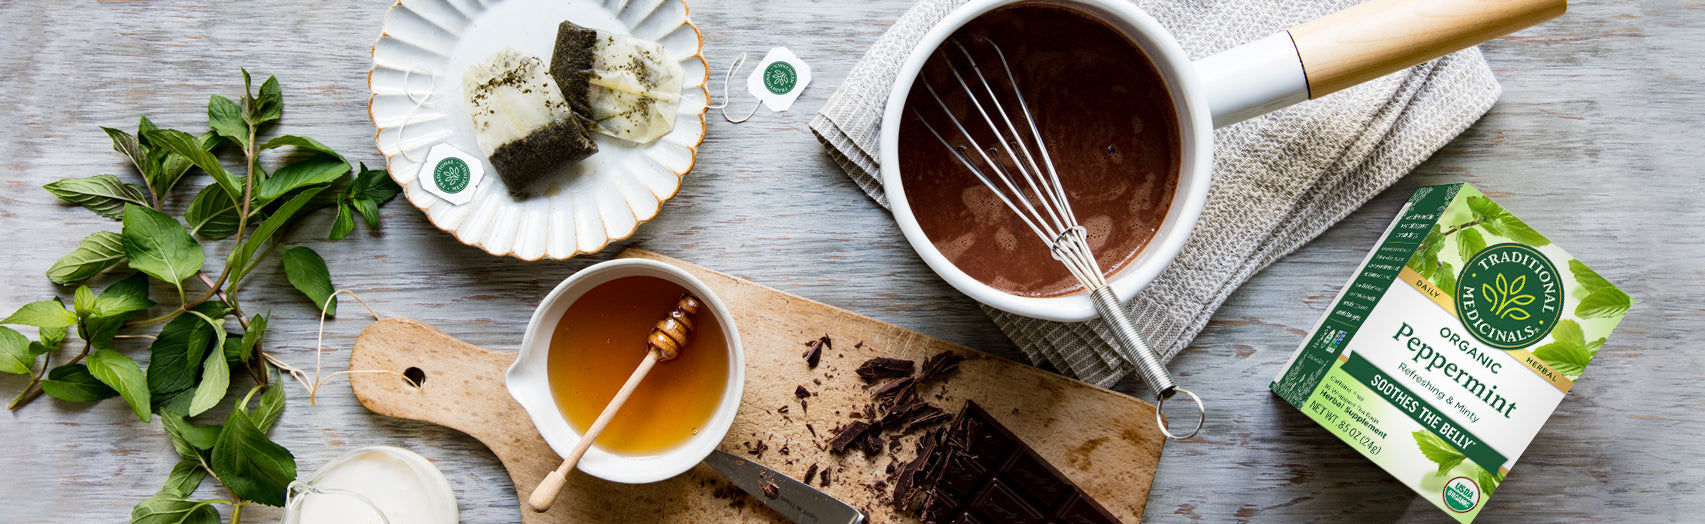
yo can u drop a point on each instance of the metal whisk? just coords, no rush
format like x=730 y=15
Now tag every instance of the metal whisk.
x=1022 y=175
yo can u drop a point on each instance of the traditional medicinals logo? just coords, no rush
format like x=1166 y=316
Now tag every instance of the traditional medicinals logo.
x=1461 y=494
x=451 y=175
x=780 y=77
x=1509 y=296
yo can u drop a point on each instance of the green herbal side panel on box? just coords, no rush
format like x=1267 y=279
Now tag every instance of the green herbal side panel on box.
x=1452 y=345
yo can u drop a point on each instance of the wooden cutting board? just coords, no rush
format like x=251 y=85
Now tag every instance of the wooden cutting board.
x=1104 y=441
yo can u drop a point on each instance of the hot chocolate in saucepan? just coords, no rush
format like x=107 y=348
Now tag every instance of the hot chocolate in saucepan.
x=1111 y=129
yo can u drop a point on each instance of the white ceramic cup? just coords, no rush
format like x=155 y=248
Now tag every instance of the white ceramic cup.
x=1308 y=61
x=529 y=381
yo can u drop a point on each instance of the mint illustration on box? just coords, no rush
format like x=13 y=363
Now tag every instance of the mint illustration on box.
x=1452 y=345
x=451 y=174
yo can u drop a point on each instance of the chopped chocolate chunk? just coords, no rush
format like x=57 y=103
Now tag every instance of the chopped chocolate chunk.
x=856 y=414
x=814 y=351
x=939 y=366
x=824 y=479
x=883 y=367
x=782 y=409
x=804 y=406
x=859 y=345
x=784 y=450
x=892 y=386
x=810 y=474
x=801 y=392
x=976 y=466
x=771 y=490
x=850 y=436
x=811 y=429
x=817 y=381
x=757 y=450
x=929 y=417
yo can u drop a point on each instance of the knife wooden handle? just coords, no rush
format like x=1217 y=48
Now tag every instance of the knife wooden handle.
x=1373 y=39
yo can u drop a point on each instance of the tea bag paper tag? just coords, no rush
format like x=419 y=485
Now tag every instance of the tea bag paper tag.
x=451 y=173
x=779 y=79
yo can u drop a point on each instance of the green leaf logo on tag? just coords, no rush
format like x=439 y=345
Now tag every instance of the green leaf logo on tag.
x=451 y=175
x=1461 y=495
x=780 y=78
x=1509 y=296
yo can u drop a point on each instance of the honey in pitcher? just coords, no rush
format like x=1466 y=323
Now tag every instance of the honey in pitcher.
x=599 y=342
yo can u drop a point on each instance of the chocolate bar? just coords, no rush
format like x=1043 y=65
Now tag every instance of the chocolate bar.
x=980 y=472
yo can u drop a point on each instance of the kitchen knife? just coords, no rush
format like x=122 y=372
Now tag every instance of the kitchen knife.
x=791 y=498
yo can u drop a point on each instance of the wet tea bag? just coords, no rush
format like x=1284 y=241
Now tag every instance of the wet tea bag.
x=622 y=86
x=521 y=121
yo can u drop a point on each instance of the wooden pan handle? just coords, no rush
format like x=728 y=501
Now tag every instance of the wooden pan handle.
x=1376 y=38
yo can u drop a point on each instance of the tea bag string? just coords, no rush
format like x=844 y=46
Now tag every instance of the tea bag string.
x=419 y=102
x=725 y=79
x=299 y=491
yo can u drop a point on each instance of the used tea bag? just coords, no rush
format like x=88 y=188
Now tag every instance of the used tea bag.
x=521 y=121
x=624 y=87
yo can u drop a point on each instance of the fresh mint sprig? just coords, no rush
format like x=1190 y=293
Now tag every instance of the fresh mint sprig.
x=192 y=358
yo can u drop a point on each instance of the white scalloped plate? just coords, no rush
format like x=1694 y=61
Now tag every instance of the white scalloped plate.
x=427 y=44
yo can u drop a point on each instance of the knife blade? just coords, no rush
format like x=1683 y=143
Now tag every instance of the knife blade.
x=791 y=498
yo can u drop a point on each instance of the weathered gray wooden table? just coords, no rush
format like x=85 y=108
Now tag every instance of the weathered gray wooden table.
x=1597 y=141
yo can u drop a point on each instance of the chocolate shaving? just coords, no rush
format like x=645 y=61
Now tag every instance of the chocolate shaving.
x=892 y=386
x=859 y=345
x=939 y=366
x=814 y=350
x=824 y=480
x=883 y=367
x=928 y=416
x=771 y=490
x=851 y=436
x=812 y=429
x=782 y=409
x=810 y=474
x=757 y=450
x=801 y=392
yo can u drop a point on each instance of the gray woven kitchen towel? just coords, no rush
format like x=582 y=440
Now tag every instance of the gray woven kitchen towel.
x=1278 y=180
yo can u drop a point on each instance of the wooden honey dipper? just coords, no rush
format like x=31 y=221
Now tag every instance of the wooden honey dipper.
x=664 y=343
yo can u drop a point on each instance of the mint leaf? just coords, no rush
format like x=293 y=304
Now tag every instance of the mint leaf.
x=1605 y=303
x=170 y=508
x=269 y=105
x=82 y=300
x=251 y=465
x=50 y=338
x=241 y=257
x=1438 y=451
x=316 y=170
x=1445 y=279
x=1569 y=331
x=176 y=355
x=270 y=407
x=114 y=306
x=184 y=479
x=47 y=314
x=1589 y=280
x=212 y=214
x=1469 y=242
x=130 y=147
x=1567 y=353
x=226 y=118
x=307 y=271
x=74 y=383
x=187 y=439
x=300 y=142
x=343 y=224
x=251 y=338
x=1485 y=210
x=15 y=355
x=106 y=195
x=159 y=246
x=121 y=373
x=1487 y=480
x=169 y=167
x=215 y=372
x=193 y=150
x=95 y=254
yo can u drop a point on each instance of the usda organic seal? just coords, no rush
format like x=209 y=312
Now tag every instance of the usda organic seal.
x=1461 y=494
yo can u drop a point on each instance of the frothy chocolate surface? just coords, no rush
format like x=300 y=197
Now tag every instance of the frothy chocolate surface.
x=1111 y=130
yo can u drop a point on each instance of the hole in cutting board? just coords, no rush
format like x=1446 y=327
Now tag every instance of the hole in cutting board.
x=416 y=376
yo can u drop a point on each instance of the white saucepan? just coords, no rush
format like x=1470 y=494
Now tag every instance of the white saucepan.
x=1309 y=61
